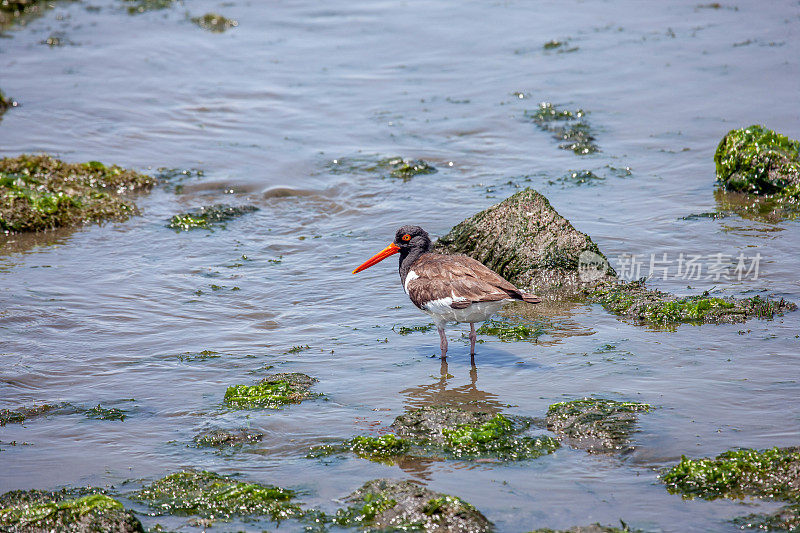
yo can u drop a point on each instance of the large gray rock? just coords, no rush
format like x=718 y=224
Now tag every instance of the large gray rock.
x=527 y=242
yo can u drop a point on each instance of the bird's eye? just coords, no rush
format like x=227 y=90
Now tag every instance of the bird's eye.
x=406 y=237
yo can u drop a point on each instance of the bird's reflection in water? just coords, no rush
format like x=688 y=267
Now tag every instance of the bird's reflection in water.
x=467 y=396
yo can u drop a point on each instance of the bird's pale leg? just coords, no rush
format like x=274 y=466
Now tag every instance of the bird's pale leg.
x=443 y=342
x=472 y=338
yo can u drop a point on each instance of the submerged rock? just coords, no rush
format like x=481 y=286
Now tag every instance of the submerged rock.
x=33 y=511
x=447 y=432
x=273 y=392
x=633 y=300
x=389 y=167
x=207 y=217
x=565 y=125
x=214 y=22
x=221 y=438
x=527 y=242
x=761 y=161
x=594 y=424
x=211 y=495
x=593 y=528
x=785 y=519
x=39 y=192
x=386 y=504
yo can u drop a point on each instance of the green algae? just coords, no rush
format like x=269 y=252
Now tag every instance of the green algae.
x=436 y=433
x=172 y=179
x=298 y=348
x=510 y=332
x=394 y=505
x=20 y=11
x=644 y=305
x=581 y=177
x=201 y=356
x=407 y=330
x=105 y=413
x=389 y=167
x=20 y=415
x=39 y=192
x=214 y=496
x=759 y=160
x=594 y=528
x=214 y=22
x=595 y=424
x=565 y=125
x=772 y=473
x=273 y=392
x=64 y=511
x=496 y=438
x=208 y=217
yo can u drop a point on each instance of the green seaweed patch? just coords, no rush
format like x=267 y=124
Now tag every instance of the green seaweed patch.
x=772 y=473
x=496 y=438
x=594 y=528
x=580 y=177
x=207 y=217
x=407 y=330
x=644 y=305
x=595 y=424
x=211 y=495
x=298 y=348
x=371 y=506
x=39 y=192
x=99 y=412
x=565 y=125
x=214 y=22
x=204 y=355
x=273 y=392
x=759 y=160
x=59 y=511
x=142 y=6
x=562 y=47
x=509 y=332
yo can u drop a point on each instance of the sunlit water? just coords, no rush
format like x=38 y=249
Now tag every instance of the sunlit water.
x=101 y=315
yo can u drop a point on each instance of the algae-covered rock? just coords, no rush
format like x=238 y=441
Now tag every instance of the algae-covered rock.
x=640 y=304
x=34 y=511
x=447 y=432
x=565 y=125
x=760 y=161
x=207 y=217
x=773 y=473
x=222 y=438
x=211 y=495
x=594 y=424
x=273 y=392
x=386 y=504
x=39 y=192
x=527 y=242
x=214 y=22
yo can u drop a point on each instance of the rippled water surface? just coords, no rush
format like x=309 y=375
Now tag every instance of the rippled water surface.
x=101 y=315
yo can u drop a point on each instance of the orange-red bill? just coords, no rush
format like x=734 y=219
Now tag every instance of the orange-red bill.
x=377 y=258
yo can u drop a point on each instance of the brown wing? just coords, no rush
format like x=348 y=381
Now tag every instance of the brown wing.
x=459 y=276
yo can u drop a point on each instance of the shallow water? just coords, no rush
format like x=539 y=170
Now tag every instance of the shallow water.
x=102 y=314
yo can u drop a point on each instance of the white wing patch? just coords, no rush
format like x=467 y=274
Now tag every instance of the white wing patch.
x=411 y=276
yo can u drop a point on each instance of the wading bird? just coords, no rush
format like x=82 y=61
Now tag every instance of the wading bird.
x=450 y=288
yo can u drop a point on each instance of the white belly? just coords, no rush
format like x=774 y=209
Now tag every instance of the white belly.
x=442 y=313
